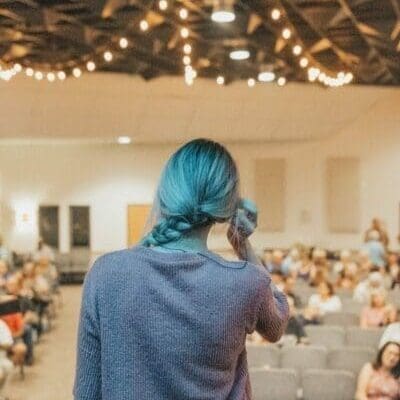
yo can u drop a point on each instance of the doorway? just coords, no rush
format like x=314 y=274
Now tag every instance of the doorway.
x=137 y=218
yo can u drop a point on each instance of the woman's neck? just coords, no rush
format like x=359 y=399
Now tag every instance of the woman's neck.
x=193 y=241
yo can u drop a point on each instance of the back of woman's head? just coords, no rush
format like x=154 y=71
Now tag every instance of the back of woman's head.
x=198 y=187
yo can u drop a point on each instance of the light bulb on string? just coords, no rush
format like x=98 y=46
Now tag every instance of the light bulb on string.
x=29 y=72
x=251 y=82
x=281 y=81
x=303 y=62
x=163 y=5
x=144 y=25
x=184 y=33
x=51 y=77
x=123 y=43
x=108 y=56
x=61 y=75
x=38 y=75
x=286 y=33
x=297 y=49
x=183 y=13
x=187 y=48
x=77 y=72
x=90 y=66
x=275 y=14
x=186 y=60
x=220 y=80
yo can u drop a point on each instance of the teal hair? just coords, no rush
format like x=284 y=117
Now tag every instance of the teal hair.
x=199 y=186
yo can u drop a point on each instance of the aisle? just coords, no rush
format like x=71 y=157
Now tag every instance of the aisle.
x=52 y=375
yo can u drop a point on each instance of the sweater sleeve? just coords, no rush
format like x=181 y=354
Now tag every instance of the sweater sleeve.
x=88 y=368
x=273 y=310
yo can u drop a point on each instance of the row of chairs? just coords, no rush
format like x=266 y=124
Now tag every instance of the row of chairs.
x=301 y=358
x=338 y=336
x=282 y=384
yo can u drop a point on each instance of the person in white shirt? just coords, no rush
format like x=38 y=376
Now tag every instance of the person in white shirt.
x=323 y=302
x=362 y=292
x=6 y=341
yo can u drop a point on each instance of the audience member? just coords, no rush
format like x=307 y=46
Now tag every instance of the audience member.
x=380 y=380
x=6 y=343
x=391 y=334
x=375 y=249
x=323 y=302
x=43 y=252
x=378 y=313
x=394 y=269
x=275 y=264
x=347 y=279
x=362 y=292
x=295 y=326
x=376 y=225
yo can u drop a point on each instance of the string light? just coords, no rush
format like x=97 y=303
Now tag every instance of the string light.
x=185 y=33
x=286 y=33
x=38 y=75
x=123 y=43
x=186 y=60
x=275 y=14
x=29 y=72
x=297 y=50
x=251 y=82
x=187 y=48
x=108 y=56
x=281 y=81
x=304 y=62
x=17 y=67
x=77 y=72
x=61 y=75
x=163 y=5
x=183 y=13
x=90 y=66
x=220 y=80
x=51 y=77
x=144 y=25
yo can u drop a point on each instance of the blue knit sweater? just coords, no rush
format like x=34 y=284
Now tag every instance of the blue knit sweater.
x=158 y=326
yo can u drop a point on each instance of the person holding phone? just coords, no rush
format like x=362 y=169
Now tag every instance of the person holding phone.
x=168 y=319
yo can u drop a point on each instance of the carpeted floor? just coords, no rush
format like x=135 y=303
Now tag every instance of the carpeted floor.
x=51 y=377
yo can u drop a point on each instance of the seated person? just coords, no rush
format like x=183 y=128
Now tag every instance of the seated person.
x=347 y=279
x=380 y=380
x=345 y=263
x=19 y=323
x=291 y=263
x=303 y=272
x=289 y=290
x=325 y=301
x=275 y=264
x=377 y=313
x=391 y=334
x=6 y=344
x=3 y=275
x=376 y=250
x=295 y=326
x=362 y=292
x=394 y=269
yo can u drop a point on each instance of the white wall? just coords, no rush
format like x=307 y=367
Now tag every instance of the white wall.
x=108 y=177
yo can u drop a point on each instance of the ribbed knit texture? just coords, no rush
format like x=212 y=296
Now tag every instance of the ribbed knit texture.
x=158 y=326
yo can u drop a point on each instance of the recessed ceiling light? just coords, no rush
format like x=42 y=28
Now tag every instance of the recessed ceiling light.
x=124 y=140
x=266 y=76
x=239 y=54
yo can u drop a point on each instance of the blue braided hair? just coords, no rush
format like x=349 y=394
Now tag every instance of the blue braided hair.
x=199 y=186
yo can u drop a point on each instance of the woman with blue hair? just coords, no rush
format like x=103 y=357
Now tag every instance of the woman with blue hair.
x=168 y=319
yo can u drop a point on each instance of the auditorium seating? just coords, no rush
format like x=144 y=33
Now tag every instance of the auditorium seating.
x=326 y=335
x=328 y=385
x=274 y=384
x=350 y=358
x=342 y=319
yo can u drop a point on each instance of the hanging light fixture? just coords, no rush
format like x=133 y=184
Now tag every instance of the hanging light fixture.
x=223 y=11
x=241 y=54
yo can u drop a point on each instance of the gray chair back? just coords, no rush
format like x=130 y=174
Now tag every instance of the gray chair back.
x=274 y=384
x=328 y=385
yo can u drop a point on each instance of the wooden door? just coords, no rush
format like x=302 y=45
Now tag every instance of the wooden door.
x=137 y=218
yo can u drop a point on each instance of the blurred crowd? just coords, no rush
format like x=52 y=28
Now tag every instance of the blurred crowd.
x=34 y=284
x=319 y=284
